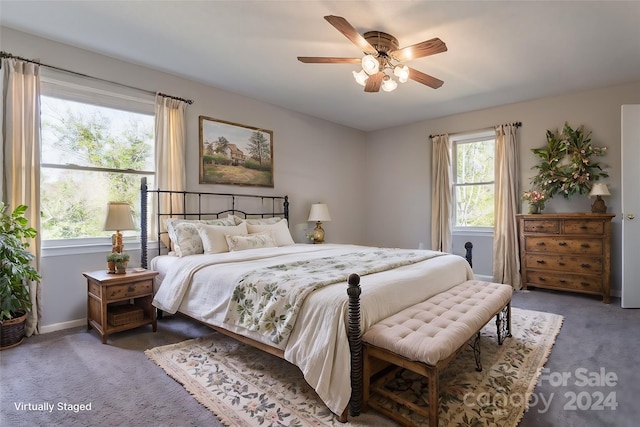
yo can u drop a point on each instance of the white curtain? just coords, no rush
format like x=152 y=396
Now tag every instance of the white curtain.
x=441 y=193
x=506 y=259
x=171 y=135
x=21 y=157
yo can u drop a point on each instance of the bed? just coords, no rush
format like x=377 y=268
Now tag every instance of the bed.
x=313 y=323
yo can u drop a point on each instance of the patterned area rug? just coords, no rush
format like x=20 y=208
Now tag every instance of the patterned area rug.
x=246 y=387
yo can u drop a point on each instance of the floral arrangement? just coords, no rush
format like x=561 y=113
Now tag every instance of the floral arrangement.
x=535 y=198
x=566 y=165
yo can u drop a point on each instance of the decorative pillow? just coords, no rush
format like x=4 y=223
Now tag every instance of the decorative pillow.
x=213 y=236
x=280 y=231
x=243 y=242
x=185 y=239
x=255 y=221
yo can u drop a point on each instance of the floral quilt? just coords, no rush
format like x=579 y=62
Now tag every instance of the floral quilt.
x=267 y=300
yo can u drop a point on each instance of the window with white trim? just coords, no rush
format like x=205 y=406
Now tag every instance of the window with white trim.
x=97 y=142
x=473 y=158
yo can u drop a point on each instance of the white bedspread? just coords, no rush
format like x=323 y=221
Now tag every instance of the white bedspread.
x=201 y=286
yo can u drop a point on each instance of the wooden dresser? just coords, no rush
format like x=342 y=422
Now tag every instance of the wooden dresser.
x=570 y=252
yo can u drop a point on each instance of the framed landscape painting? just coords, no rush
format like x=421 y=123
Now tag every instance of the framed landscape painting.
x=235 y=154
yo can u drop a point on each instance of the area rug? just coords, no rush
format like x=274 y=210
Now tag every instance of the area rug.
x=243 y=386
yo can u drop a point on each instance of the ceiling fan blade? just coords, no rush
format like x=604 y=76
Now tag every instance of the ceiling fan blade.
x=425 y=79
x=419 y=50
x=373 y=82
x=323 y=60
x=349 y=32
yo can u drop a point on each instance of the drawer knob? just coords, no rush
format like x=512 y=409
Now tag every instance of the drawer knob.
x=540 y=243
x=542 y=279
x=560 y=263
x=131 y=289
x=562 y=281
x=584 y=283
x=583 y=227
x=585 y=245
x=540 y=261
x=585 y=265
x=562 y=243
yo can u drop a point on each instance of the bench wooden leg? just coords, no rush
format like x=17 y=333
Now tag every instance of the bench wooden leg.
x=434 y=404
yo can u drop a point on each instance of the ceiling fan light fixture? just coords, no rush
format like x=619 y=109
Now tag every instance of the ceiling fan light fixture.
x=388 y=84
x=370 y=64
x=402 y=72
x=360 y=77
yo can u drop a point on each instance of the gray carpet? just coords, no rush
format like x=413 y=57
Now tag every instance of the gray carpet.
x=125 y=388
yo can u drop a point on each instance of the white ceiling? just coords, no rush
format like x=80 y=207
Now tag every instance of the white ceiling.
x=499 y=52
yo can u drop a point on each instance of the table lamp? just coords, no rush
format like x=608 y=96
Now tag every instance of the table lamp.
x=319 y=212
x=598 y=205
x=119 y=217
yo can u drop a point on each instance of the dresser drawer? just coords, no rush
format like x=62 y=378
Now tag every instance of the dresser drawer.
x=574 y=226
x=573 y=264
x=542 y=226
x=564 y=245
x=131 y=290
x=546 y=279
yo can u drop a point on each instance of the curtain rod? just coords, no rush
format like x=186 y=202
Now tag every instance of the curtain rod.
x=516 y=124
x=4 y=54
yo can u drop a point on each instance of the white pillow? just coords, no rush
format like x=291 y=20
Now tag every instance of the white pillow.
x=213 y=240
x=243 y=242
x=255 y=221
x=280 y=231
x=185 y=239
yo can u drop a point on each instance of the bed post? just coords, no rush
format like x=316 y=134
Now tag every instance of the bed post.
x=286 y=209
x=355 y=344
x=469 y=246
x=143 y=223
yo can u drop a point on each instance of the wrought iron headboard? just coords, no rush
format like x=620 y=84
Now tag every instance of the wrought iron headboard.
x=279 y=206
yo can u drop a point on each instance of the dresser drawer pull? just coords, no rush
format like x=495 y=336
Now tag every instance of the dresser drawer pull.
x=131 y=289
x=540 y=244
x=542 y=279
x=584 y=283
x=585 y=245
x=540 y=261
x=562 y=281
x=585 y=265
x=562 y=243
x=561 y=264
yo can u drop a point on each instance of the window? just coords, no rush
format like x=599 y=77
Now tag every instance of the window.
x=97 y=142
x=473 y=179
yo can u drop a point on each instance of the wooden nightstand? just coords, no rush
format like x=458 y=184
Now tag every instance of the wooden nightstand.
x=118 y=302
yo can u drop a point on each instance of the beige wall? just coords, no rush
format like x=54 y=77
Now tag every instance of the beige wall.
x=399 y=162
x=314 y=160
x=377 y=185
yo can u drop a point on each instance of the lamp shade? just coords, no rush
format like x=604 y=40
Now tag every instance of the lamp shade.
x=599 y=190
x=119 y=217
x=319 y=212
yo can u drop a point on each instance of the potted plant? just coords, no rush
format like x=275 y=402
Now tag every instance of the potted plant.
x=120 y=261
x=16 y=272
x=111 y=261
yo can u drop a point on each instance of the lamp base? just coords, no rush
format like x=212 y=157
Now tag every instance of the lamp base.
x=598 y=206
x=318 y=233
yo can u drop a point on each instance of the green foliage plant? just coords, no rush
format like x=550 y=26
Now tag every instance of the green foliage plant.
x=566 y=164
x=15 y=262
x=118 y=257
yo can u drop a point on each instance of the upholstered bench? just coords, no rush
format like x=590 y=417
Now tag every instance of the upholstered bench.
x=426 y=337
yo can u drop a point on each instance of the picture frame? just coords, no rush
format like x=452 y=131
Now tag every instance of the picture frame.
x=235 y=154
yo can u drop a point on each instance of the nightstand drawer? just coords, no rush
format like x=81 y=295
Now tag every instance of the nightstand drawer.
x=583 y=227
x=564 y=281
x=129 y=290
x=574 y=264
x=565 y=245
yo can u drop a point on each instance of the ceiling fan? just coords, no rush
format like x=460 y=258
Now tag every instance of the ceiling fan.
x=382 y=57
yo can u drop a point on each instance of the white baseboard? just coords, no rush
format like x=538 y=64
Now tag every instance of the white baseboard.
x=63 y=325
